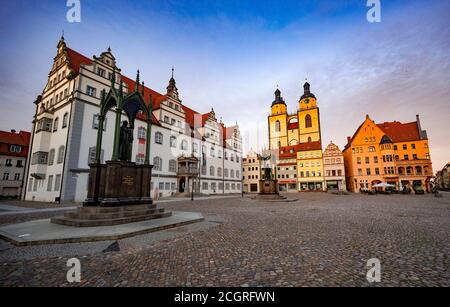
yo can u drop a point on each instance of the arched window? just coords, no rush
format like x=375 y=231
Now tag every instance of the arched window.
x=60 y=154
x=232 y=173
x=55 y=124
x=308 y=122
x=277 y=126
x=371 y=149
x=212 y=152
x=219 y=172
x=51 y=157
x=173 y=142
x=157 y=163
x=158 y=138
x=172 y=166
x=211 y=170
x=65 y=120
x=225 y=172
x=237 y=174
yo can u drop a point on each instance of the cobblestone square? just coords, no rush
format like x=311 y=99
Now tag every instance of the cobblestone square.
x=318 y=240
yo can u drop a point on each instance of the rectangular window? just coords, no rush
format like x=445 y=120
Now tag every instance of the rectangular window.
x=101 y=72
x=167 y=186
x=377 y=171
x=367 y=160
x=375 y=159
x=96 y=122
x=39 y=157
x=406 y=157
x=91 y=91
x=35 y=184
x=50 y=183
x=414 y=156
x=360 y=172
x=161 y=186
x=17 y=176
x=413 y=146
x=5 y=176
x=57 y=182
x=30 y=184
x=405 y=147
x=358 y=160
x=368 y=171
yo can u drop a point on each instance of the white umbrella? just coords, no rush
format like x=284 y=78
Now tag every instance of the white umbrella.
x=384 y=185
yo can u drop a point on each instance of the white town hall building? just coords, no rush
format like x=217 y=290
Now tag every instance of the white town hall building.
x=65 y=127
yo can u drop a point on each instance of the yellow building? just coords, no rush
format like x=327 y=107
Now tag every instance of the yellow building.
x=391 y=152
x=297 y=136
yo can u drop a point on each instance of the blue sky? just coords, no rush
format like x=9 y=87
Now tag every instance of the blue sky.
x=231 y=55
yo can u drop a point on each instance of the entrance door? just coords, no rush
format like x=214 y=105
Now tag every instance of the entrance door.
x=182 y=185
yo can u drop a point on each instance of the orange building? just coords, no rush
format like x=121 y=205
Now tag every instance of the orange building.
x=392 y=152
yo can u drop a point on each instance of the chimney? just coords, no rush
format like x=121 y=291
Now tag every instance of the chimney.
x=422 y=133
x=13 y=131
x=349 y=139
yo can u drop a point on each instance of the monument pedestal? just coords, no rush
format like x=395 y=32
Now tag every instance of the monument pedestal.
x=118 y=193
x=268 y=187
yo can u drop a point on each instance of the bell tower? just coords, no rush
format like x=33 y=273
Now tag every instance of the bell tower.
x=308 y=116
x=278 y=122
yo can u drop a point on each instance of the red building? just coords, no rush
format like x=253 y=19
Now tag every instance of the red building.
x=13 y=156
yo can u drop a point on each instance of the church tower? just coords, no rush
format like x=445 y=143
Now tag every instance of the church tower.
x=308 y=117
x=278 y=134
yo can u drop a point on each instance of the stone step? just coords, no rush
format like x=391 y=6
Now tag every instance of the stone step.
x=114 y=209
x=82 y=215
x=107 y=222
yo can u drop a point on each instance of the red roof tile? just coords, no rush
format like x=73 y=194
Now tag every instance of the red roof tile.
x=9 y=138
x=292 y=126
x=76 y=59
x=399 y=132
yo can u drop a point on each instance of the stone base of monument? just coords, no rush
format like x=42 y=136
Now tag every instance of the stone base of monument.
x=40 y=232
x=269 y=192
x=108 y=216
x=118 y=193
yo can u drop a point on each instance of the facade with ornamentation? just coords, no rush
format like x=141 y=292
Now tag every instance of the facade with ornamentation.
x=66 y=120
x=392 y=152
x=334 y=168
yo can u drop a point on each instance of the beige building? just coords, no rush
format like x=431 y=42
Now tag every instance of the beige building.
x=251 y=173
x=442 y=178
x=333 y=164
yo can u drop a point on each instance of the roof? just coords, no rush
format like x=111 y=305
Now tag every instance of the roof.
x=396 y=131
x=76 y=59
x=399 y=132
x=11 y=138
x=296 y=148
x=292 y=126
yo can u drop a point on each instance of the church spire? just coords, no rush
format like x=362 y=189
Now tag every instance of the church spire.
x=278 y=98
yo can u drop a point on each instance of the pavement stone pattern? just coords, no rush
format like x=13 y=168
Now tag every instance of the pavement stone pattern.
x=318 y=240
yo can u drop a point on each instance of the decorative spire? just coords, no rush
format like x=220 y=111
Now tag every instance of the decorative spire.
x=143 y=88
x=137 y=81
x=172 y=90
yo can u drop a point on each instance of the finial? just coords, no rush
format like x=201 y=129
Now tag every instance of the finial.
x=137 y=81
x=172 y=71
x=143 y=87
x=62 y=36
x=109 y=48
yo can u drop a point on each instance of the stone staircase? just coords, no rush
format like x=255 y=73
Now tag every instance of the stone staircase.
x=108 y=216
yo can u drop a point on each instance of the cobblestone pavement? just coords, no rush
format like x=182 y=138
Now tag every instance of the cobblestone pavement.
x=319 y=240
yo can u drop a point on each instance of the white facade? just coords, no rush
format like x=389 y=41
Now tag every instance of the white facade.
x=65 y=133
